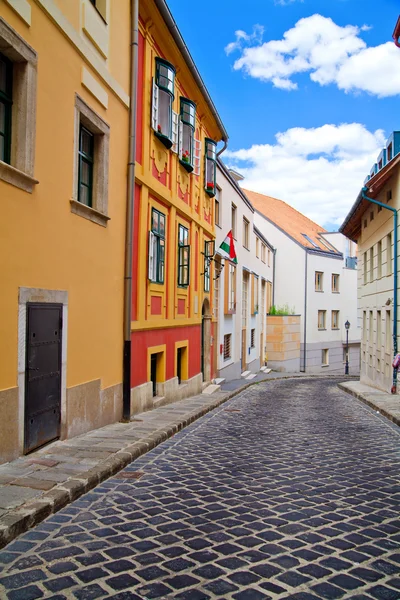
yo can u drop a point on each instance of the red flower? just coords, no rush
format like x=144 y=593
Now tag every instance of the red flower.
x=159 y=128
x=210 y=184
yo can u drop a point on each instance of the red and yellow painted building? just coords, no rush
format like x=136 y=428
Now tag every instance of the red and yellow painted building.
x=178 y=129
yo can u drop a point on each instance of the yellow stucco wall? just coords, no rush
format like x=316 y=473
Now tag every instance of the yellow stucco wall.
x=42 y=243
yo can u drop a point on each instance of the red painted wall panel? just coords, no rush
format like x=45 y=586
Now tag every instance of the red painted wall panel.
x=135 y=252
x=141 y=340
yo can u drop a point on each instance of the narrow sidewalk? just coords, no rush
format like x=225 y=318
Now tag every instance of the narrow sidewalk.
x=41 y=483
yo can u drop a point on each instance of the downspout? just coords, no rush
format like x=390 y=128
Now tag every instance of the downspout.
x=305 y=316
x=223 y=148
x=273 y=278
x=396 y=33
x=130 y=204
x=394 y=211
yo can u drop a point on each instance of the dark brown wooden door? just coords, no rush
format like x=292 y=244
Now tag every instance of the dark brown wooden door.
x=42 y=374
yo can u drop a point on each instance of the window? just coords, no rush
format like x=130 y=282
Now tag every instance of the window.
x=230 y=289
x=335 y=319
x=364 y=326
x=310 y=240
x=186 y=133
x=5 y=108
x=269 y=257
x=227 y=346
x=209 y=251
x=233 y=220
x=101 y=7
x=18 y=79
x=210 y=166
x=92 y=137
x=163 y=96
x=378 y=330
x=335 y=283
x=322 y=319
x=157 y=247
x=390 y=152
x=263 y=249
x=388 y=333
x=325 y=357
x=319 y=277
x=388 y=196
x=217 y=206
x=365 y=267
x=183 y=256
x=389 y=254
x=245 y=294
x=217 y=270
x=257 y=247
x=85 y=170
x=371 y=215
x=371 y=263
x=379 y=260
x=253 y=338
x=245 y=233
x=371 y=327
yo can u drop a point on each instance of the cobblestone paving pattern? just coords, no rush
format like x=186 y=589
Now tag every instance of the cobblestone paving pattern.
x=290 y=490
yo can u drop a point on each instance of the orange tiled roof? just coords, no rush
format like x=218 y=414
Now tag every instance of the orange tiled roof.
x=289 y=220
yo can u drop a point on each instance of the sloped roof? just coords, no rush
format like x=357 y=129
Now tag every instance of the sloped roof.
x=291 y=221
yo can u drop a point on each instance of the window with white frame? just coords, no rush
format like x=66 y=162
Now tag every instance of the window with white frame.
x=189 y=146
x=209 y=250
x=257 y=247
x=157 y=247
x=263 y=250
x=233 y=220
x=183 y=256
x=335 y=283
x=231 y=288
x=245 y=293
x=246 y=228
x=322 y=319
x=325 y=357
x=163 y=97
x=217 y=214
x=253 y=338
x=335 y=319
x=210 y=178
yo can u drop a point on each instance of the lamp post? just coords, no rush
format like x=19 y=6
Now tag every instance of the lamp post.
x=347 y=326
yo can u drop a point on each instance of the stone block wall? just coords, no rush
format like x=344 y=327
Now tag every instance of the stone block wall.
x=283 y=342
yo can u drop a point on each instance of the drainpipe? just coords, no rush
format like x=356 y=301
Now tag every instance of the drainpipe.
x=223 y=148
x=396 y=33
x=394 y=211
x=305 y=316
x=126 y=386
x=273 y=278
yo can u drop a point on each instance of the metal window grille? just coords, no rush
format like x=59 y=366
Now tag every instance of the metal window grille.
x=227 y=346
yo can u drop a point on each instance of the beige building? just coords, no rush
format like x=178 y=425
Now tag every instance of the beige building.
x=371 y=223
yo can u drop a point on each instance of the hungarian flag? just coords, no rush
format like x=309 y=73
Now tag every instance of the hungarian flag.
x=228 y=246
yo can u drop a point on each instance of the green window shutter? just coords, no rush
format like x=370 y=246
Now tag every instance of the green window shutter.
x=86 y=163
x=6 y=101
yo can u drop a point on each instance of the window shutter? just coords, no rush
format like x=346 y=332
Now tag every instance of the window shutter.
x=151 y=256
x=154 y=106
x=196 y=156
x=175 y=132
x=180 y=144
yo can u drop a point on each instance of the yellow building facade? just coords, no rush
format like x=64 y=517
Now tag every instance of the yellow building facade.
x=64 y=117
x=178 y=129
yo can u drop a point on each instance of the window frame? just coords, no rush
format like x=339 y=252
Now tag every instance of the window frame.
x=187 y=157
x=209 y=250
x=6 y=99
x=166 y=139
x=234 y=220
x=183 y=256
x=210 y=185
x=335 y=286
x=88 y=159
x=263 y=251
x=325 y=355
x=335 y=317
x=319 y=281
x=158 y=241
x=252 y=338
x=227 y=352
x=246 y=233
x=322 y=327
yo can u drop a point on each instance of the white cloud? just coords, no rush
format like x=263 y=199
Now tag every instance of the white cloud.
x=242 y=39
x=331 y=54
x=319 y=171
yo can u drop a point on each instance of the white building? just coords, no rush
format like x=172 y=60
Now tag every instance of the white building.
x=242 y=291
x=316 y=277
x=371 y=225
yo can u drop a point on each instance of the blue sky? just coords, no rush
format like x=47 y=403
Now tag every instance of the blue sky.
x=259 y=92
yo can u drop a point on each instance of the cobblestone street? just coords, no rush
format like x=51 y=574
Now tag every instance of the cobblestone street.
x=289 y=490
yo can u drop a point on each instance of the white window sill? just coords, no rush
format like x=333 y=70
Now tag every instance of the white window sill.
x=89 y=213
x=17 y=178
x=327 y=365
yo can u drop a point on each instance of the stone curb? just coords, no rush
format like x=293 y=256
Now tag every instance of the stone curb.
x=369 y=403
x=17 y=522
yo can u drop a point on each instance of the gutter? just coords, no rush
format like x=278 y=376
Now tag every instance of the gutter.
x=396 y=33
x=305 y=316
x=394 y=211
x=183 y=49
x=273 y=277
x=130 y=205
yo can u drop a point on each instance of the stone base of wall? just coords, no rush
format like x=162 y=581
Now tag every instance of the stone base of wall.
x=292 y=365
x=381 y=381
x=89 y=407
x=9 y=438
x=254 y=365
x=231 y=372
x=336 y=363
x=142 y=398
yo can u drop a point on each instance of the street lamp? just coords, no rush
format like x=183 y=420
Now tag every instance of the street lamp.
x=347 y=326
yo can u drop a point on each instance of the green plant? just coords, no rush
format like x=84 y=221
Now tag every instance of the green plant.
x=281 y=310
